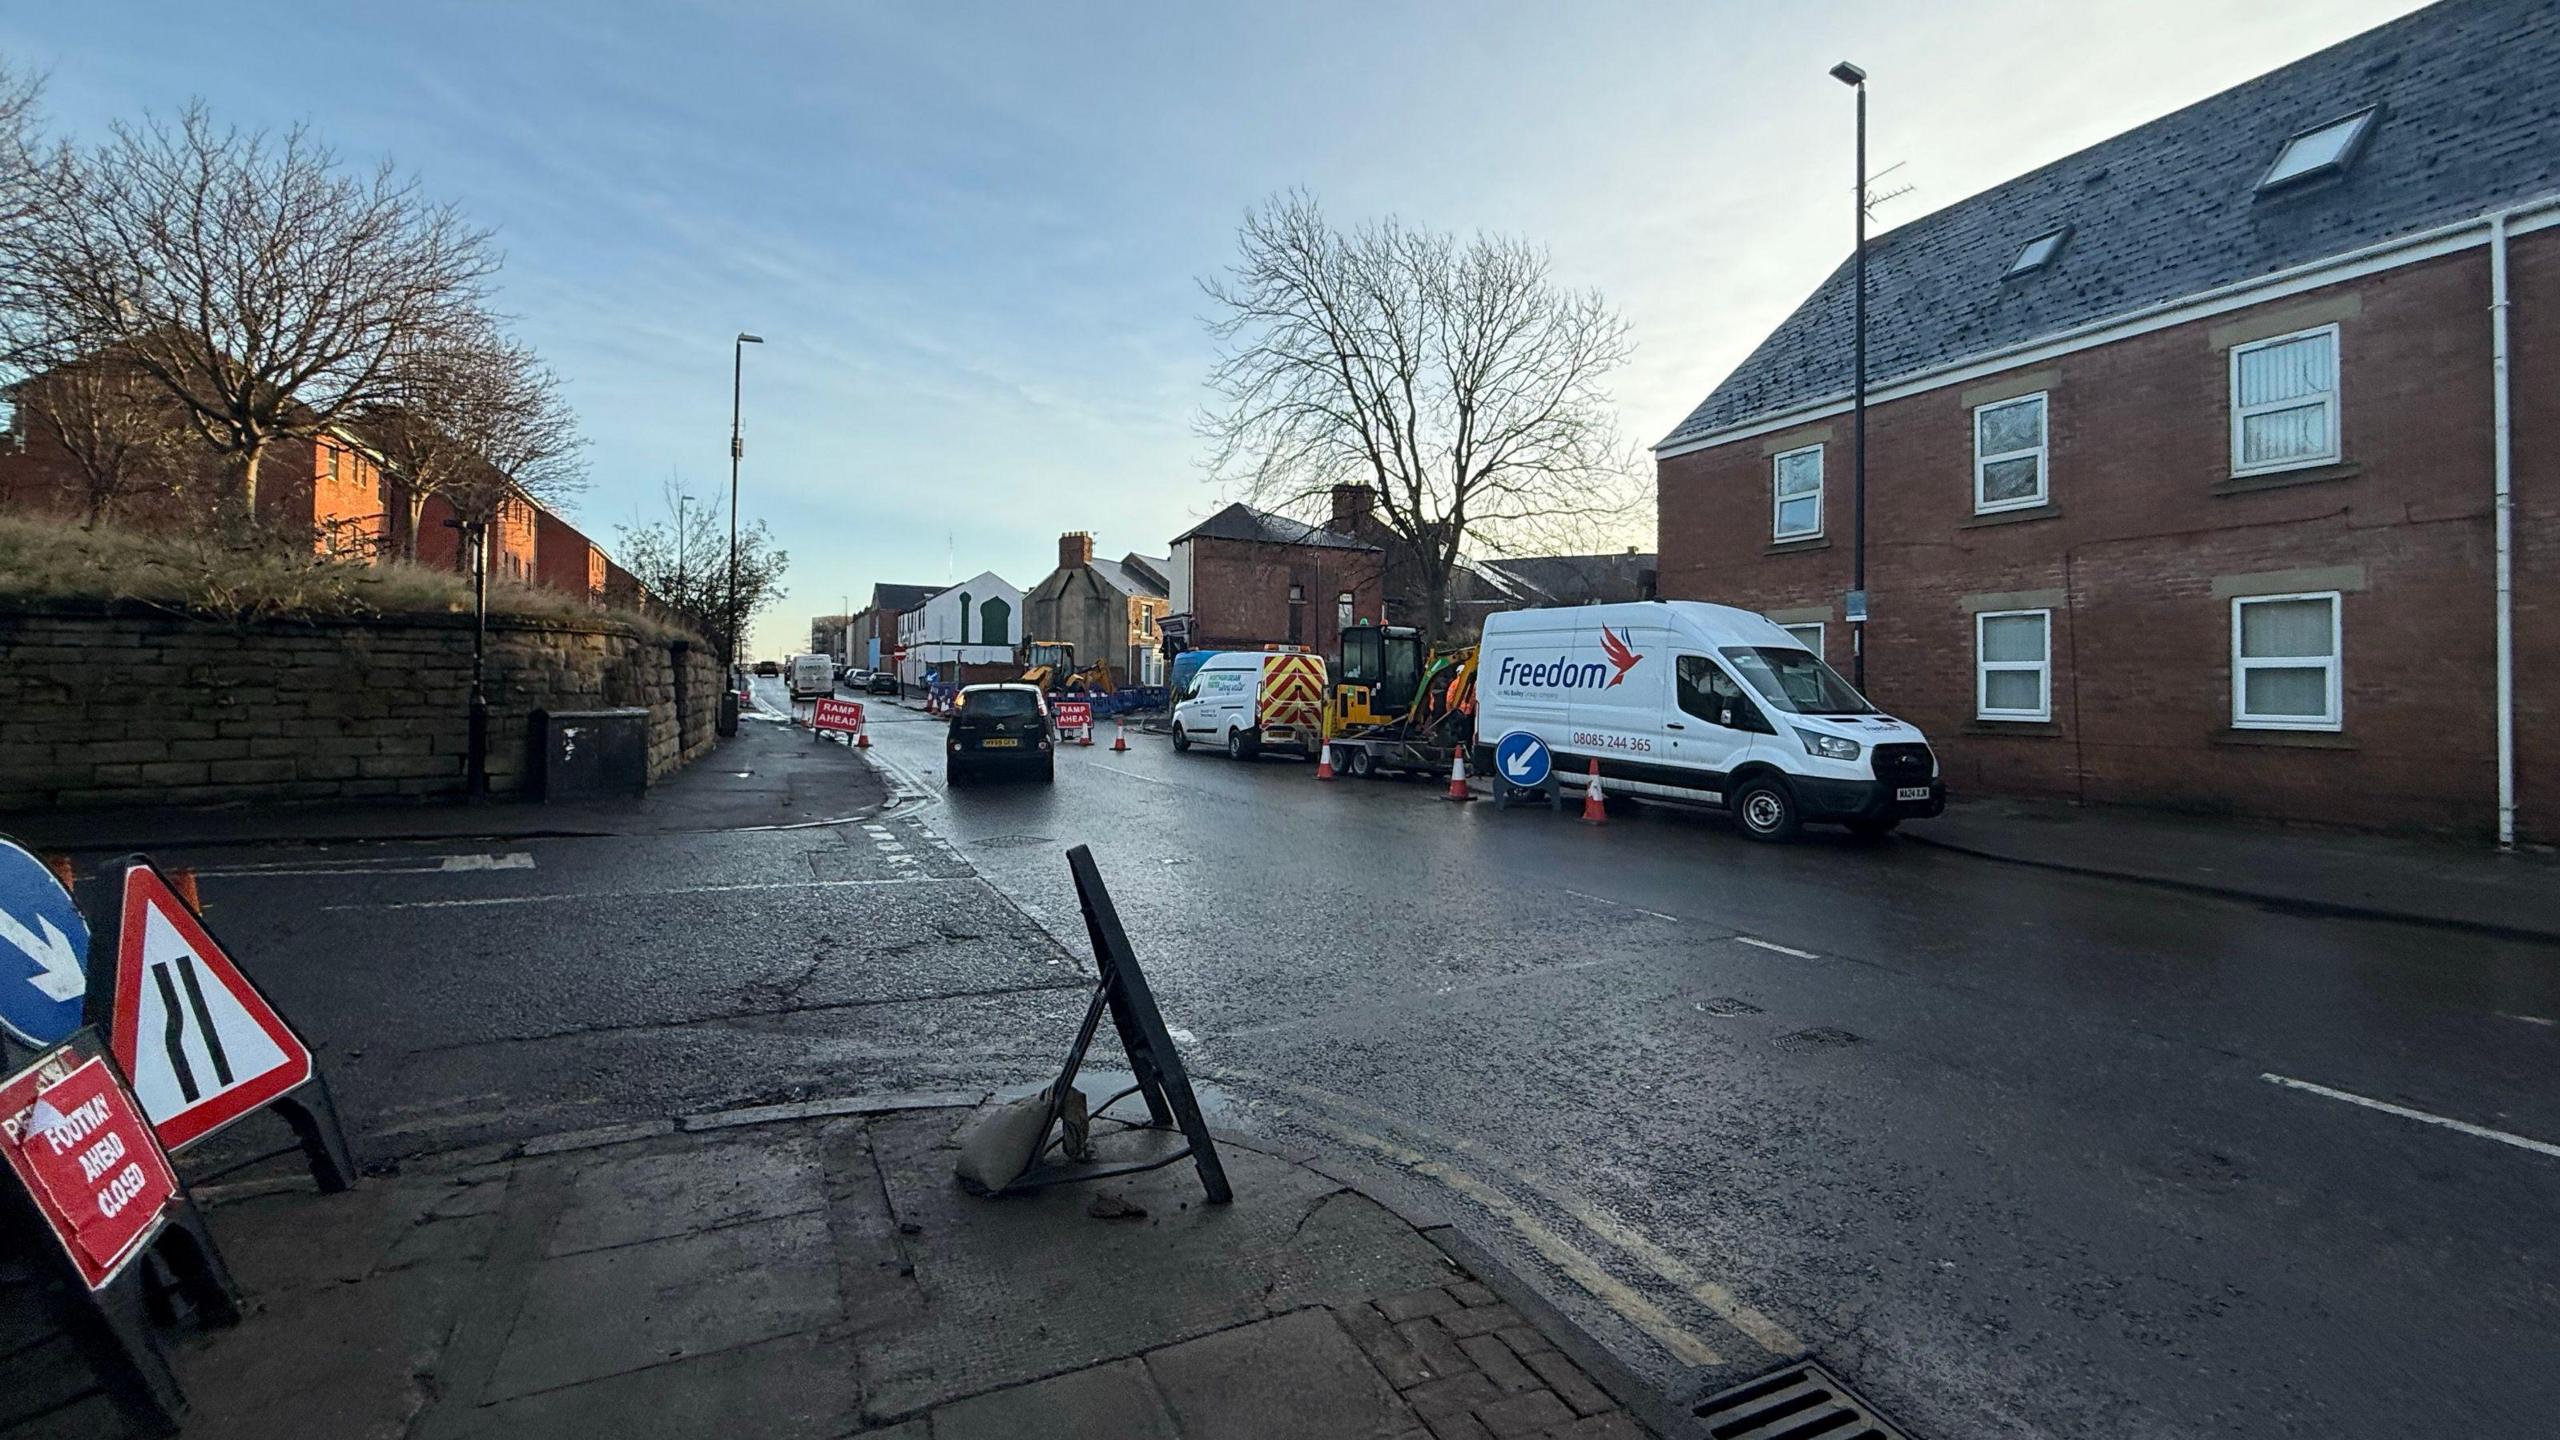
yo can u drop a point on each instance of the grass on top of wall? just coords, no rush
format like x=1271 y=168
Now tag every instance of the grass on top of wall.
x=255 y=576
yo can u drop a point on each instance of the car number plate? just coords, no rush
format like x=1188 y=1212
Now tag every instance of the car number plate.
x=1010 y=744
x=1912 y=792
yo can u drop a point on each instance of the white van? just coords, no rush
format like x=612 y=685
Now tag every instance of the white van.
x=810 y=676
x=1704 y=703
x=1247 y=699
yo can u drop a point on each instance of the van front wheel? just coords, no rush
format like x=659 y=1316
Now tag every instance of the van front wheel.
x=1181 y=740
x=1766 y=810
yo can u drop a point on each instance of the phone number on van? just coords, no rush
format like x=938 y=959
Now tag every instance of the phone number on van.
x=1590 y=740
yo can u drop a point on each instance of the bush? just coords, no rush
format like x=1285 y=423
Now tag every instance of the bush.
x=255 y=575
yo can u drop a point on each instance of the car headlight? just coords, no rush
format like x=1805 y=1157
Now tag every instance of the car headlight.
x=1829 y=747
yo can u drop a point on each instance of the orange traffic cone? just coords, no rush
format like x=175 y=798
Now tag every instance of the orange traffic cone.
x=60 y=865
x=862 y=738
x=1458 y=775
x=1324 y=762
x=184 y=882
x=1119 y=736
x=1084 y=737
x=1595 y=806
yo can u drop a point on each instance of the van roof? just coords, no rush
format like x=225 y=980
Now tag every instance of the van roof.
x=1723 y=624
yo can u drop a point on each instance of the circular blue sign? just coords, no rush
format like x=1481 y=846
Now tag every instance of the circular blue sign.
x=1521 y=759
x=44 y=952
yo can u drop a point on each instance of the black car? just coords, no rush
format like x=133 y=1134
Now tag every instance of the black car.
x=1001 y=728
x=882 y=682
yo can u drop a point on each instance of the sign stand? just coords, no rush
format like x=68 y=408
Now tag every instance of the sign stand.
x=1161 y=1080
x=104 y=1306
x=205 y=1047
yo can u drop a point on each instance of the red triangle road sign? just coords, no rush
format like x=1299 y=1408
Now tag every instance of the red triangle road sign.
x=204 y=1048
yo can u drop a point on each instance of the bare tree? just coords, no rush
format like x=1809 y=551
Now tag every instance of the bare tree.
x=1457 y=380
x=263 y=286
x=120 y=431
x=474 y=418
x=683 y=561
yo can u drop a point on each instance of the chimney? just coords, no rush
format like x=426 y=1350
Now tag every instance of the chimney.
x=1075 y=549
x=1351 y=505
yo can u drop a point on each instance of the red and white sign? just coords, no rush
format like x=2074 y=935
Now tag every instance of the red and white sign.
x=79 y=1144
x=838 y=715
x=202 y=1045
x=1075 y=715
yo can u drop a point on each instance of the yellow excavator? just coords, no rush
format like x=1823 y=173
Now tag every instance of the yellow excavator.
x=1396 y=706
x=1051 y=665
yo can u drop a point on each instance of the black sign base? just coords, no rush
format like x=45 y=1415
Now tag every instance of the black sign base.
x=1162 y=1082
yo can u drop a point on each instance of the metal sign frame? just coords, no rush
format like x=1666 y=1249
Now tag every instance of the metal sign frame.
x=1157 y=1067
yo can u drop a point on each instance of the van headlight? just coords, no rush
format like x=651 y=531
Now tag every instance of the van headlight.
x=1829 y=747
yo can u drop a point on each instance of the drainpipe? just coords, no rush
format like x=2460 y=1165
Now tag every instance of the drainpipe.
x=2504 y=507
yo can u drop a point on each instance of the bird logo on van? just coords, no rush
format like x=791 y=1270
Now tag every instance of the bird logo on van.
x=1621 y=655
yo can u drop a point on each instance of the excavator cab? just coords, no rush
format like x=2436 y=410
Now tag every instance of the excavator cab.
x=1048 y=663
x=1380 y=674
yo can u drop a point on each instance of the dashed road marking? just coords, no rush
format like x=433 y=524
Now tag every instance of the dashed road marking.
x=1781 y=949
x=649 y=894
x=1623 y=905
x=2539 y=1147
x=383 y=865
x=2540 y=1020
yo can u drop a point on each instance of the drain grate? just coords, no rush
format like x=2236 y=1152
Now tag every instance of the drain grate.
x=1801 y=1402
x=1821 y=1037
x=1727 y=1005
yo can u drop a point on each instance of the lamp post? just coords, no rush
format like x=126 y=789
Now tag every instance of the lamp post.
x=1856 y=610
x=737 y=448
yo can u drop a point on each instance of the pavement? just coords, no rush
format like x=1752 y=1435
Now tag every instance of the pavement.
x=815 y=1271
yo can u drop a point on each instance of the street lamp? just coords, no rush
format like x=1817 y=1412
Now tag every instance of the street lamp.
x=1856 y=609
x=737 y=448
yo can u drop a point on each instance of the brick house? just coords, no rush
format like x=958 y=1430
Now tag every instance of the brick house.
x=564 y=559
x=1107 y=609
x=875 y=626
x=330 y=485
x=513 y=539
x=1243 y=578
x=2183 y=452
x=1479 y=587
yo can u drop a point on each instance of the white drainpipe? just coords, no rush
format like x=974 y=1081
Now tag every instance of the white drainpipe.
x=2503 y=470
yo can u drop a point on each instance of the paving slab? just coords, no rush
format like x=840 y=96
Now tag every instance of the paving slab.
x=1279 y=1379
x=1107 y=1402
x=624 y=1198
x=798 y=1388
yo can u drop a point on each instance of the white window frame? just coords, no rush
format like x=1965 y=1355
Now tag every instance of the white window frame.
x=1984 y=668
x=2335 y=403
x=1798 y=631
x=2042 y=450
x=2336 y=665
x=1821 y=478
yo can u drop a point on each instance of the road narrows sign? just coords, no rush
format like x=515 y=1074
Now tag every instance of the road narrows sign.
x=44 y=952
x=204 y=1048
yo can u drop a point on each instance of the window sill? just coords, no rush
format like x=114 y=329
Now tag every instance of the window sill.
x=1789 y=547
x=1978 y=726
x=2046 y=511
x=2279 y=479
x=2286 y=739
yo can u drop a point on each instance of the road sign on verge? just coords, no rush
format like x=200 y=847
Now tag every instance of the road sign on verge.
x=203 y=1045
x=44 y=951
x=1522 y=759
x=837 y=715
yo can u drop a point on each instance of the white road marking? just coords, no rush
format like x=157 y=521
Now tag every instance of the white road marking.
x=2528 y=1019
x=1781 y=949
x=1623 y=905
x=646 y=894
x=517 y=860
x=385 y=865
x=2539 y=1147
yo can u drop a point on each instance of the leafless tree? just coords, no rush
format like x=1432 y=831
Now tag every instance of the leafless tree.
x=683 y=561
x=470 y=416
x=121 y=432
x=264 y=286
x=1457 y=379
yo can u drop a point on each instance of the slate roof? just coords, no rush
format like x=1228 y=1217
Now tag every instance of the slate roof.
x=899 y=599
x=2469 y=92
x=1152 y=569
x=1129 y=579
x=1242 y=522
x=1579 y=579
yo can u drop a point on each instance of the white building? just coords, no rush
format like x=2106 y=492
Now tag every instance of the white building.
x=976 y=622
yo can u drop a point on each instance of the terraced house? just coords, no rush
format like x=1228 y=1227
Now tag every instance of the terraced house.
x=2211 y=467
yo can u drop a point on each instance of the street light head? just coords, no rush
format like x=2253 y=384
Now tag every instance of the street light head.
x=746 y=339
x=1848 y=74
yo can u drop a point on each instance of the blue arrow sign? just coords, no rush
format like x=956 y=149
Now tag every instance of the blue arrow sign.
x=1521 y=759
x=44 y=952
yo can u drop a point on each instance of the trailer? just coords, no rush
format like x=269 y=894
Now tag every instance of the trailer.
x=1394 y=709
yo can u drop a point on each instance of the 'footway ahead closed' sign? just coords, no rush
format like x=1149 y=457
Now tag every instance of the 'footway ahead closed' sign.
x=81 y=1147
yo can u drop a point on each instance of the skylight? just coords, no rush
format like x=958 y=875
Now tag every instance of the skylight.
x=2038 y=253
x=2325 y=150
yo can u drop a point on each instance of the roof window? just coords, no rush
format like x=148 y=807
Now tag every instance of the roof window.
x=2322 y=150
x=2038 y=253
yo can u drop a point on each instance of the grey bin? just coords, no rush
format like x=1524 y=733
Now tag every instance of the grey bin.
x=591 y=754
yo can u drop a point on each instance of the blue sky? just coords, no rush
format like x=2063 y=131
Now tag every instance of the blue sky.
x=971 y=232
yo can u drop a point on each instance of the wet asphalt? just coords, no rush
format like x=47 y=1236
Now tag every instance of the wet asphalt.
x=1996 y=1143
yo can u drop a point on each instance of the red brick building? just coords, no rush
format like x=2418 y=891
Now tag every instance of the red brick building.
x=330 y=485
x=1242 y=579
x=564 y=559
x=2183 y=453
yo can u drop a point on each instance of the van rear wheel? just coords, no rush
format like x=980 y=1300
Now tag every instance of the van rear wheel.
x=1243 y=744
x=1766 y=810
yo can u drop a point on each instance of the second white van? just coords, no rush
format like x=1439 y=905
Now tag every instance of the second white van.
x=810 y=676
x=1245 y=700
x=1683 y=700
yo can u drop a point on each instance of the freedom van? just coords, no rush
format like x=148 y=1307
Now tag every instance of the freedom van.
x=1246 y=699
x=1703 y=703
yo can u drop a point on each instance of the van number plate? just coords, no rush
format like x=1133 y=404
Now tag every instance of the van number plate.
x=1912 y=792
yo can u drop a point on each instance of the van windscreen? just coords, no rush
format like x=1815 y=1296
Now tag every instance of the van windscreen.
x=1795 y=680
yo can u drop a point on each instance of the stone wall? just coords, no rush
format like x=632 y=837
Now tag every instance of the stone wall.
x=128 y=705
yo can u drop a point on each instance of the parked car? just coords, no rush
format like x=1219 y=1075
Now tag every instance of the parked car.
x=768 y=667
x=855 y=679
x=1001 y=727
x=882 y=682
x=1702 y=703
x=1247 y=699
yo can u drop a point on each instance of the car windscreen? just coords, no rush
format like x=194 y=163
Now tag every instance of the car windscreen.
x=1795 y=680
x=999 y=704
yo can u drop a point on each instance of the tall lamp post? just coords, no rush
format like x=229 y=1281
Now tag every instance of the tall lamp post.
x=1856 y=610
x=737 y=448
